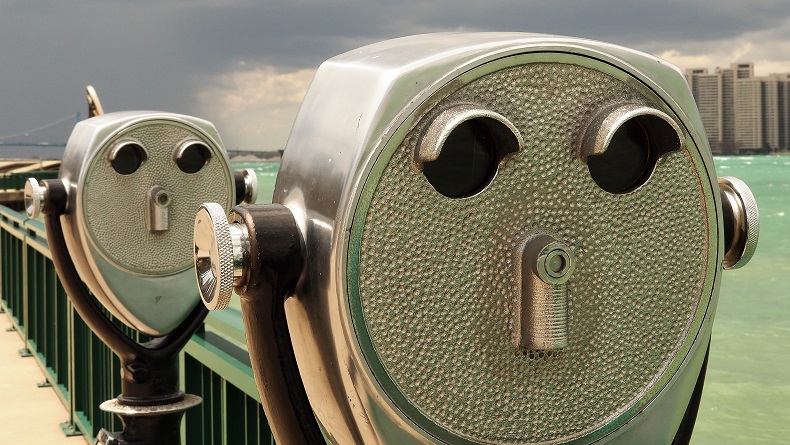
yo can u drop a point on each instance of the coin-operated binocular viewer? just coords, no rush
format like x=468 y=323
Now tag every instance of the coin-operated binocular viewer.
x=119 y=221
x=480 y=239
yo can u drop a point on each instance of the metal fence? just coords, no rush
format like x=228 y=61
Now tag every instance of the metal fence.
x=16 y=180
x=84 y=372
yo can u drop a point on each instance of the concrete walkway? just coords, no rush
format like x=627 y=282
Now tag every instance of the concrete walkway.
x=28 y=414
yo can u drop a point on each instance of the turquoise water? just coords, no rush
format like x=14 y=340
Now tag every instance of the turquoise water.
x=747 y=390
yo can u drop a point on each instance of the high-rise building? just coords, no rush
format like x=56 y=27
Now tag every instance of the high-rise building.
x=749 y=113
x=783 y=106
x=729 y=76
x=707 y=92
x=771 y=115
x=741 y=112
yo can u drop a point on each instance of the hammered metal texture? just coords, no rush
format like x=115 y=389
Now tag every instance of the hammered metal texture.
x=114 y=205
x=438 y=289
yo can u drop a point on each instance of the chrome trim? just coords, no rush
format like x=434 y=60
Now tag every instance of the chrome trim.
x=436 y=134
x=35 y=198
x=739 y=200
x=603 y=127
x=250 y=186
x=157 y=208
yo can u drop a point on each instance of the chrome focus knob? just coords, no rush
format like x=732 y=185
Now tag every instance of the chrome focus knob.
x=35 y=197
x=741 y=222
x=250 y=185
x=221 y=252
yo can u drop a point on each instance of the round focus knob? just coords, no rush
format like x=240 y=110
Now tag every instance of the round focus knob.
x=250 y=185
x=35 y=197
x=221 y=251
x=741 y=222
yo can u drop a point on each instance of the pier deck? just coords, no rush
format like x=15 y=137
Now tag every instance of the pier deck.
x=28 y=414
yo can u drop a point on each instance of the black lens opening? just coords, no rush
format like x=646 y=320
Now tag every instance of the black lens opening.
x=628 y=161
x=467 y=161
x=193 y=157
x=127 y=158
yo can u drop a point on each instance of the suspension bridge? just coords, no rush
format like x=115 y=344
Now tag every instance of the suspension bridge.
x=33 y=152
x=42 y=142
x=28 y=144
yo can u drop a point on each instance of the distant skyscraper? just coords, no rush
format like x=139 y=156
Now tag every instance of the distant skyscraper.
x=749 y=103
x=728 y=84
x=741 y=112
x=783 y=106
x=771 y=115
x=707 y=92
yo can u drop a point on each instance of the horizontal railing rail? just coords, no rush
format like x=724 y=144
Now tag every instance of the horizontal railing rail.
x=16 y=180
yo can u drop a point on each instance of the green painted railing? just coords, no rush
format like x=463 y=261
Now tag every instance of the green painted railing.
x=16 y=181
x=84 y=372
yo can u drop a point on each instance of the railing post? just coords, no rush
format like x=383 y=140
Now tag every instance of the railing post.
x=69 y=427
x=26 y=350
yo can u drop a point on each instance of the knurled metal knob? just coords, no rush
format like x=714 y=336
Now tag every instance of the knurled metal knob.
x=35 y=197
x=221 y=252
x=741 y=222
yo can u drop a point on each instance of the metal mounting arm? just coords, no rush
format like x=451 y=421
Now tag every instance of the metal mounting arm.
x=149 y=370
x=259 y=253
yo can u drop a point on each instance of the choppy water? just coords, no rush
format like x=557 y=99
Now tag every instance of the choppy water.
x=747 y=390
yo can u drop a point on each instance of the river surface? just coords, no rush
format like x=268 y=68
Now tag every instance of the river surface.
x=747 y=391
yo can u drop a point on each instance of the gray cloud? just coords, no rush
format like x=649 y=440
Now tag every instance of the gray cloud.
x=301 y=34
x=158 y=55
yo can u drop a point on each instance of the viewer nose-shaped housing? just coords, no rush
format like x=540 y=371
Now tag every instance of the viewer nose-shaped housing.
x=510 y=239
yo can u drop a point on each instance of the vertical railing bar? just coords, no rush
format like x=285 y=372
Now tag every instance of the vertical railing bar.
x=223 y=413
x=3 y=267
x=205 y=413
x=25 y=295
x=36 y=308
x=52 y=318
x=70 y=366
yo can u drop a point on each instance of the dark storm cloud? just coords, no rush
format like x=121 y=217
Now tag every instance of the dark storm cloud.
x=50 y=50
x=156 y=54
x=300 y=34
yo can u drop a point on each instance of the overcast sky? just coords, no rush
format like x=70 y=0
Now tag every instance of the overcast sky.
x=245 y=65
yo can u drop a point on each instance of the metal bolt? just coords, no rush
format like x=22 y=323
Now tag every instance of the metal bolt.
x=162 y=198
x=105 y=438
x=555 y=263
x=139 y=372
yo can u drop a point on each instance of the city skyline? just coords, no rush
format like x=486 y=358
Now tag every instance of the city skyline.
x=742 y=112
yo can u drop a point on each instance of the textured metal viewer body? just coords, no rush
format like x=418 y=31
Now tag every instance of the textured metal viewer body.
x=130 y=234
x=406 y=320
